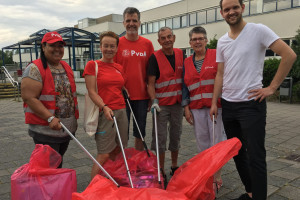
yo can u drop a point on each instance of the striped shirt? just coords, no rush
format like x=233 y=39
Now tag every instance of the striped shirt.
x=198 y=65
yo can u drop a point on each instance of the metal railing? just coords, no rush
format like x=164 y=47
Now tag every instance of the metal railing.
x=13 y=82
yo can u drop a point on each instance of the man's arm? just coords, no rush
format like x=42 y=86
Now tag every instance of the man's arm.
x=217 y=90
x=288 y=57
x=151 y=87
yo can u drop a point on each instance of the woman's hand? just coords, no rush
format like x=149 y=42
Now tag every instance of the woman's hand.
x=108 y=113
x=188 y=115
x=55 y=124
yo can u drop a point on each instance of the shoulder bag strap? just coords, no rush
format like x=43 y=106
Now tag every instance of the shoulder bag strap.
x=96 y=71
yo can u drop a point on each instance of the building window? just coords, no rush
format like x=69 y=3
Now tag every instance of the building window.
x=255 y=7
x=211 y=15
x=149 y=27
x=183 y=21
x=284 y=4
x=269 y=6
x=176 y=22
x=287 y=41
x=246 y=10
x=140 y=30
x=155 y=27
x=192 y=51
x=193 y=19
x=162 y=23
x=169 y=23
x=296 y=3
x=269 y=53
x=201 y=17
x=219 y=16
x=143 y=28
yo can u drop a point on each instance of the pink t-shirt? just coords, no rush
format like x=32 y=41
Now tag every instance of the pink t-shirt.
x=110 y=82
x=133 y=56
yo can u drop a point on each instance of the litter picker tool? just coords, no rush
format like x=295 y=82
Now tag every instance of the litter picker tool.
x=156 y=141
x=214 y=122
x=144 y=143
x=122 y=149
x=88 y=153
x=213 y=134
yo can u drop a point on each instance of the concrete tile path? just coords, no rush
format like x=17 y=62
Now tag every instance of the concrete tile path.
x=282 y=143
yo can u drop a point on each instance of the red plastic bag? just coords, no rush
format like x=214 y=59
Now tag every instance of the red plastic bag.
x=143 y=169
x=104 y=189
x=193 y=180
x=39 y=179
x=195 y=177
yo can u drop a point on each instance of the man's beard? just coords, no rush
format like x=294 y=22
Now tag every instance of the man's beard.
x=237 y=21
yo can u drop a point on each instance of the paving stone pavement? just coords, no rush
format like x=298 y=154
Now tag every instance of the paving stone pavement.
x=282 y=141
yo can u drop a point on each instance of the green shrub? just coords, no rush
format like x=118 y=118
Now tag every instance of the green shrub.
x=296 y=92
x=212 y=43
x=295 y=71
x=270 y=69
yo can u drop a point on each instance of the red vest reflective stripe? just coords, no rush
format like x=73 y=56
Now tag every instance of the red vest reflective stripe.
x=48 y=93
x=168 y=86
x=201 y=85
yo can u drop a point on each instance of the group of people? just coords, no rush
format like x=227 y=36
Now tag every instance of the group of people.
x=215 y=89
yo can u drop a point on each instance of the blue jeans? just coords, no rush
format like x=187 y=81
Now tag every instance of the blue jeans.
x=247 y=122
x=139 y=108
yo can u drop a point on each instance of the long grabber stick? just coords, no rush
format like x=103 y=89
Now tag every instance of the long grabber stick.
x=214 y=122
x=88 y=153
x=144 y=143
x=122 y=149
x=157 y=150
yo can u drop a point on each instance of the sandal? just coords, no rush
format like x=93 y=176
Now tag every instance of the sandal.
x=173 y=169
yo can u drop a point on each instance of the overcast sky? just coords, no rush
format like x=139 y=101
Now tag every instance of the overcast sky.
x=20 y=18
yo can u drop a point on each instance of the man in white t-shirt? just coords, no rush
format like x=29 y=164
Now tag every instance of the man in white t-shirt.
x=240 y=57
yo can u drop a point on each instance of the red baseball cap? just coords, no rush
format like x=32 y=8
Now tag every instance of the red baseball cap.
x=52 y=37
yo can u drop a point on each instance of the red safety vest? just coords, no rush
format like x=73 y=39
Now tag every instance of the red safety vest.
x=201 y=85
x=48 y=93
x=168 y=86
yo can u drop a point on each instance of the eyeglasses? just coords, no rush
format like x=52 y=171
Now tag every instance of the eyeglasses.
x=200 y=39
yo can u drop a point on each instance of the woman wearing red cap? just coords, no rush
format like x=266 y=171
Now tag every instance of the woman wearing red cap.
x=49 y=93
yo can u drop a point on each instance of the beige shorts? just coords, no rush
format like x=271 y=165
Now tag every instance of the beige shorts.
x=106 y=137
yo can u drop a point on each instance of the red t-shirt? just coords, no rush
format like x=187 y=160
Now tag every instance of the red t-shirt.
x=133 y=56
x=109 y=82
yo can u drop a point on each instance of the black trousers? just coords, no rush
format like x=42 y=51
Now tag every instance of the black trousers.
x=61 y=148
x=139 y=108
x=247 y=122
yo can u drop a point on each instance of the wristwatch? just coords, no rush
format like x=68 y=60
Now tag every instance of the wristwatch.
x=50 y=119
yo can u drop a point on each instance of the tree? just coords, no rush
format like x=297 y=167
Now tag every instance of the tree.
x=212 y=43
x=295 y=71
x=8 y=57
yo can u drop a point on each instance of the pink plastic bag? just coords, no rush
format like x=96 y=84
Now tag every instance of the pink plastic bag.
x=143 y=169
x=193 y=180
x=39 y=179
